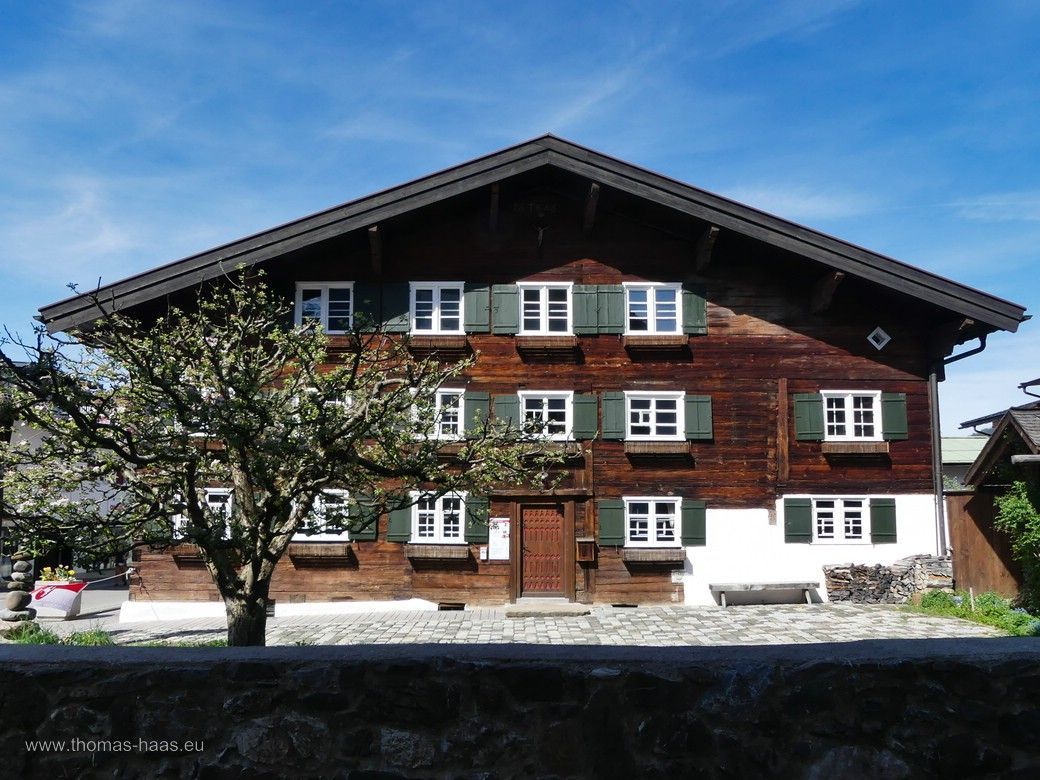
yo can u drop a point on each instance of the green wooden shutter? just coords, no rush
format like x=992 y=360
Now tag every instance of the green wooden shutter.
x=611 y=514
x=585 y=422
x=698 y=417
x=614 y=415
x=475 y=408
x=366 y=304
x=611 y=308
x=808 y=417
x=694 y=311
x=476 y=298
x=507 y=410
x=586 y=308
x=694 y=526
x=893 y=416
x=505 y=309
x=399 y=529
x=396 y=305
x=477 y=519
x=883 y=520
x=798 y=520
x=363 y=519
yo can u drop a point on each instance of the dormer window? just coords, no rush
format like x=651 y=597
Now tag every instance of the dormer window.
x=329 y=304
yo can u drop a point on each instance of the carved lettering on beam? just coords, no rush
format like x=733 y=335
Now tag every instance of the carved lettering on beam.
x=705 y=246
x=591 y=202
x=375 y=246
x=823 y=292
x=493 y=213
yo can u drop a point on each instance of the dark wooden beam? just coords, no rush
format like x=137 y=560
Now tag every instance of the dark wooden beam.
x=591 y=202
x=705 y=246
x=823 y=292
x=948 y=335
x=493 y=213
x=375 y=245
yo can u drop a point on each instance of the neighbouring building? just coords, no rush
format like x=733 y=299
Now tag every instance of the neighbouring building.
x=744 y=399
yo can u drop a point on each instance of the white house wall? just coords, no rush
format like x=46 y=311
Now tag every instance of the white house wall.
x=742 y=546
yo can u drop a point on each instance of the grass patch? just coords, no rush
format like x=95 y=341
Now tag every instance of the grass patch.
x=184 y=643
x=991 y=609
x=95 y=637
x=31 y=633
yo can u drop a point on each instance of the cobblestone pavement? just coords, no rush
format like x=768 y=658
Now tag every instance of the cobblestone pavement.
x=644 y=626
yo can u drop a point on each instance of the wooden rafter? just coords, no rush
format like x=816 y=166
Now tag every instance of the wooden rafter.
x=591 y=202
x=375 y=245
x=823 y=292
x=705 y=247
x=493 y=211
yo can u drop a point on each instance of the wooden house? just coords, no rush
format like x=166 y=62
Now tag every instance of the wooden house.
x=746 y=399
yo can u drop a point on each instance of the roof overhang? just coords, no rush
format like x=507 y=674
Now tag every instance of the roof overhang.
x=997 y=445
x=984 y=309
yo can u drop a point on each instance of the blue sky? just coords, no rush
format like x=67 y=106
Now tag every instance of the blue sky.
x=134 y=133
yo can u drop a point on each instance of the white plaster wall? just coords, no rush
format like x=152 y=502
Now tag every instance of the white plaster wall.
x=742 y=546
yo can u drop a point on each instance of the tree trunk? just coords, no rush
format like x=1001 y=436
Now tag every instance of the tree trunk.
x=246 y=620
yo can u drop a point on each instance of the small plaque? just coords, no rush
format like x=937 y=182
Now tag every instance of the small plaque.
x=498 y=539
x=677 y=576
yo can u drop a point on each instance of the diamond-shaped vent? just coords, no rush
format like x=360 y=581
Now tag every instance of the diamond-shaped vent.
x=878 y=338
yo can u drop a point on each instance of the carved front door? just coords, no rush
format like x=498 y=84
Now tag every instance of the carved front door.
x=541 y=556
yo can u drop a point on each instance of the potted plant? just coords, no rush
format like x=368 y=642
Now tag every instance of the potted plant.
x=56 y=575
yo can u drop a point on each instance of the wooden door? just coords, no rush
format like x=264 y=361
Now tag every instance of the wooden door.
x=541 y=550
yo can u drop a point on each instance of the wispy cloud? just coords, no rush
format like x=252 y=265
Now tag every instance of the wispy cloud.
x=1023 y=206
x=802 y=202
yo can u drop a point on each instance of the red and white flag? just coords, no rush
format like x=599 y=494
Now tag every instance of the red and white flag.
x=58 y=597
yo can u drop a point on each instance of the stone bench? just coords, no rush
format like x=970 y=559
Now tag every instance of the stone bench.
x=722 y=588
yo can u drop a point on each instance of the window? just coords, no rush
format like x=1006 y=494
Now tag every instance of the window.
x=448 y=414
x=547 y=413
x=545 y=309
x=653 y=308
x=852 y=415
x=652 y=522
x=329 y=304
x=436 y=307
x=329 y=509
x=840 y=520
x=218 y=501
x=438 y=520
x=654 y=416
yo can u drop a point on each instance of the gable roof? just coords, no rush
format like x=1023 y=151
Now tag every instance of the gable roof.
x=1023 y=422
x=547 y=150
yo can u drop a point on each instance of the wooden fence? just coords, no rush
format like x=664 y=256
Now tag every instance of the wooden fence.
x=981 y=555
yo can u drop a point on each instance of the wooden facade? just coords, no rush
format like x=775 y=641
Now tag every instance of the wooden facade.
x=779 y=324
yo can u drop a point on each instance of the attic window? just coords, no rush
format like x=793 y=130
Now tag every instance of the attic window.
x=879 y=338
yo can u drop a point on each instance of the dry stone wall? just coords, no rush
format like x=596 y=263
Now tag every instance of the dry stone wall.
x=964 y=708
x=895 y=584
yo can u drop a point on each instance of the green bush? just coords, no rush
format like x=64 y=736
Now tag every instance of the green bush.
x=937 y=600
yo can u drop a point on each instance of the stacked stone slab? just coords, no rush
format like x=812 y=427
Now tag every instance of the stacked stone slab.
x=19 y=590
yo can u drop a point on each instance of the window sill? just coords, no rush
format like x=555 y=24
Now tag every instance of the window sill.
x=657 y=448
x=437 y=552
x=855 y=448
x=655 y=555
x=656 y=341
x=454 y=342
x=310 y=555
x=546 y=342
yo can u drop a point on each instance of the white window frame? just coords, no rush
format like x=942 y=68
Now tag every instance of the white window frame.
x=543 y=313
x=652 y=288
x=566 y=395
x=438 y=288
x=439 y=405
x=438 y=537
x=316 y=516
x=180 y=520
x=847 y=395
x=324 y=287
x=652 y=540
x=680 y=409
x=839 y=520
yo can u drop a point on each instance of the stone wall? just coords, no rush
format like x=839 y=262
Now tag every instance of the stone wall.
x=886 y=709
x=895 y=584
